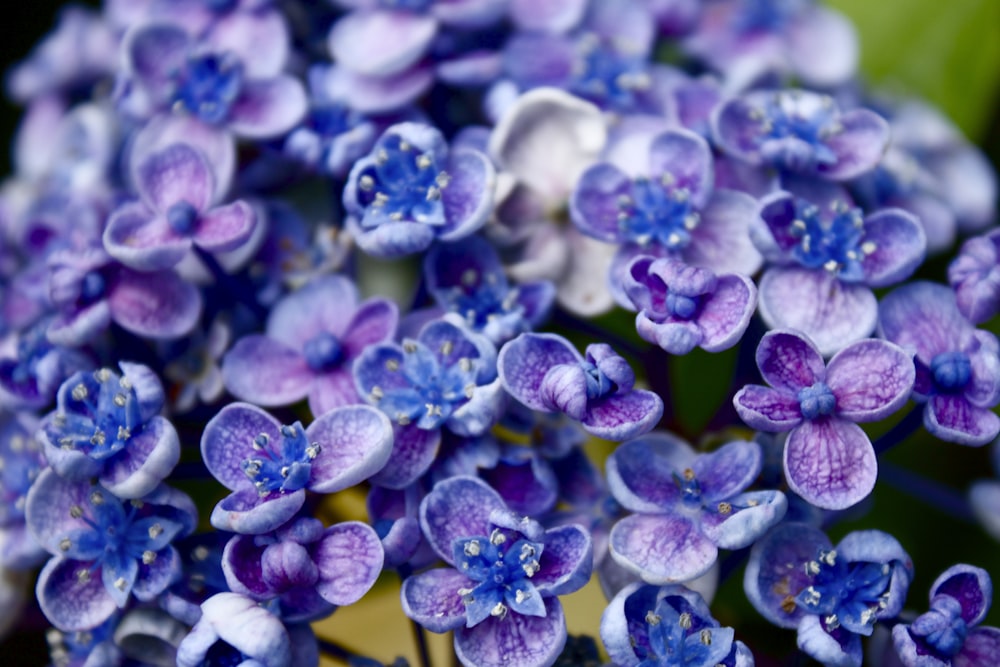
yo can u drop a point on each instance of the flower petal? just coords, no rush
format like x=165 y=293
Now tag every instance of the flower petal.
x=622 y=416
x=662 y=548
x=954 y=419
x=455 y=508
x=529 y=641
x=355 y=443
x=349 y=558
x=431 y=598
x=830 y=463
x=870 y=379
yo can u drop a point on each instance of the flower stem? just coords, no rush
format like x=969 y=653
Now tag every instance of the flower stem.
x=901 y=431
x=336 y=651
x=420 y=636
x=932 y=493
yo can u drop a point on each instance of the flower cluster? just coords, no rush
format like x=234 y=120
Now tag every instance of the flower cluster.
x=449 y=261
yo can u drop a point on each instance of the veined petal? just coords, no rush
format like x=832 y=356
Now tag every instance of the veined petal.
x=830 y=462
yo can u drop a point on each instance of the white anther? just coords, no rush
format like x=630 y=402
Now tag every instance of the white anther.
x=424 y=161
x=497 y=538
x=76 y=511
x=381 y=157
x=402 y=419
x=120 y=583
x=829 y=557
x=447 y=347
x=705 y=636
x=472 y=548
x=684 y=621
x=831 y=622
x=392 y=364
x=124 y=383
x=64 y=544
x=500 y=611
x=868 y=247
x=79 y=392
x=831 y=265
x=98 y=438
x=520 y=596
x=442 y=179
x=381 y=199
x=96 y=498
x=155 y=531
x=82 y=576
x=124 y=433
x=148 y=557
x=377 y=393
x=366 y=183
x=653 y=619
x=102 y=374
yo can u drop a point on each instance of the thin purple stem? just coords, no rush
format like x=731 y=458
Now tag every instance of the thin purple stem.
x=932 y=493
x=901 y=431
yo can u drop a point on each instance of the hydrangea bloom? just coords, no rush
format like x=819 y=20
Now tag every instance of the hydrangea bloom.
x=828 y=459
x=109 y=426
x=686 y=506
x=796 y=579
x=545 y=372
x=269 y=466
x=500 y=595
x=948 y=634
x=975 y=276
x=958 y=367
x=667 y=626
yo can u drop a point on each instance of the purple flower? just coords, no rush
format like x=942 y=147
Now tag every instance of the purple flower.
x=826 y=257
x=314 y=336
x=467 y=279
x=958 y=368
x=90 y=291
x=682 y=307
x=948 y=633
x=310 y=571
x=667 y=626
x=23 y=461
x=269 y=467
x=499 y=596
x=175 y=212
x=975 y=276
x=546 y=373
x=828 y=459
x=411 y=190
x=686 y=506
x=108 y=426
x=665 y=206
x=105 y=550
x=801 y=132
x=31 y=375
x=796 y=579
x=235 y=630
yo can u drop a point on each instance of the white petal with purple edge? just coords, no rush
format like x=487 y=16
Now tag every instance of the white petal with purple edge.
x=455 y=508
x=662 y=548
x=870 y=379
x=349 y=558
x=381 y=42
x=830 y=462
x=355 y=443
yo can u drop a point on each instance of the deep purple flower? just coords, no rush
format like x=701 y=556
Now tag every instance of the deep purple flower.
x=667 y=626
x=682 y=307
x=948 y=634
x=235 y=630
x=269 y=467
x=686 y=506
x=975 y=276
x=105 y=550
x=958 y=367
x=825 y=257
x=175 y=211
x=32 y=372
x=411 y=189
x=108 y=426
x=23 y=461
x=801 y=132
x=796 y=579
x=314 y=336
x=90 y=291
x=309 y=570
x=499 y=596
x=665 y=206
x=828 y=459
x=747 y=38
x=466 y=278
x=545 y=372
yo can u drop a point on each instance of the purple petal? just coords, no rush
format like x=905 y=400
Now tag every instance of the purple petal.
x=157 y=576
x=457 y=507
x=268 y=108
x=379 y=95
x=830 y=463
x=768 y=581
x=259 y=38
x=155 y=53
x=789 y=362
x=68 y=603
x=524 y=361
x=982 y=646
x=263 y=371
x=355 y=442
x=468 y=199
x=143 y=240
x=246 y=512
x=158 y=304
x=413 y=451
x=374 y=321
x=381 y=42
x=954 y=419
x=566 y=561
x=752 y=514
x=431 y=599
x=243 y=568
x=662 y=548
x=984 y=496
x=725 y=316
x=870 y=379
x=320 y=306
x=146 y=461
x=228 y=440
x=822 y=47
x=924 y=317
x=226 y=228
x=529 y=641
x=832 y=313
x=721 y=241
x=391 y=240
x=641 y=473
x=858 y=146
x=594 y=203
x=688 y=159
x=553 y=16
x=728 y=470
x=767 y=409
x=900 y=245
x=623 y=416
x=837 y=647
x=969 y=585
x=332 y=389
x=564 y=389
x=176 y=174
x=349 y=558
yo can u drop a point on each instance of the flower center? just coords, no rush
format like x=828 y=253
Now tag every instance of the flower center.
x=481 y=297
x=794 y=128
x=209 y=85
x=656 y=212
x=181 y=217
x=678 y=637
x=102 y=415
x=607 y=75
x=404 y=184
x=681 y=306
x=689 y=487
x=323 y=351
x=835 y=244
x=943 y=627
x=503 y=574
x=283 y=468
x=951 y=371
x=816 y=401
x=598 y=384
x=849 y=594
x=91 y=288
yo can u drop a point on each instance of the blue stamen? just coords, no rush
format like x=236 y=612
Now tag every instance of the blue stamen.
x=951 y=372
x=503 y=565
x=403 y=185
x=835 y=245
x=816 y=401
x=657 y=213
x=91 y=288
x=323 y=351
x=181 y=217
x=681 y=306
x=209 y=85
x=284 y=468
x=609 y=76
